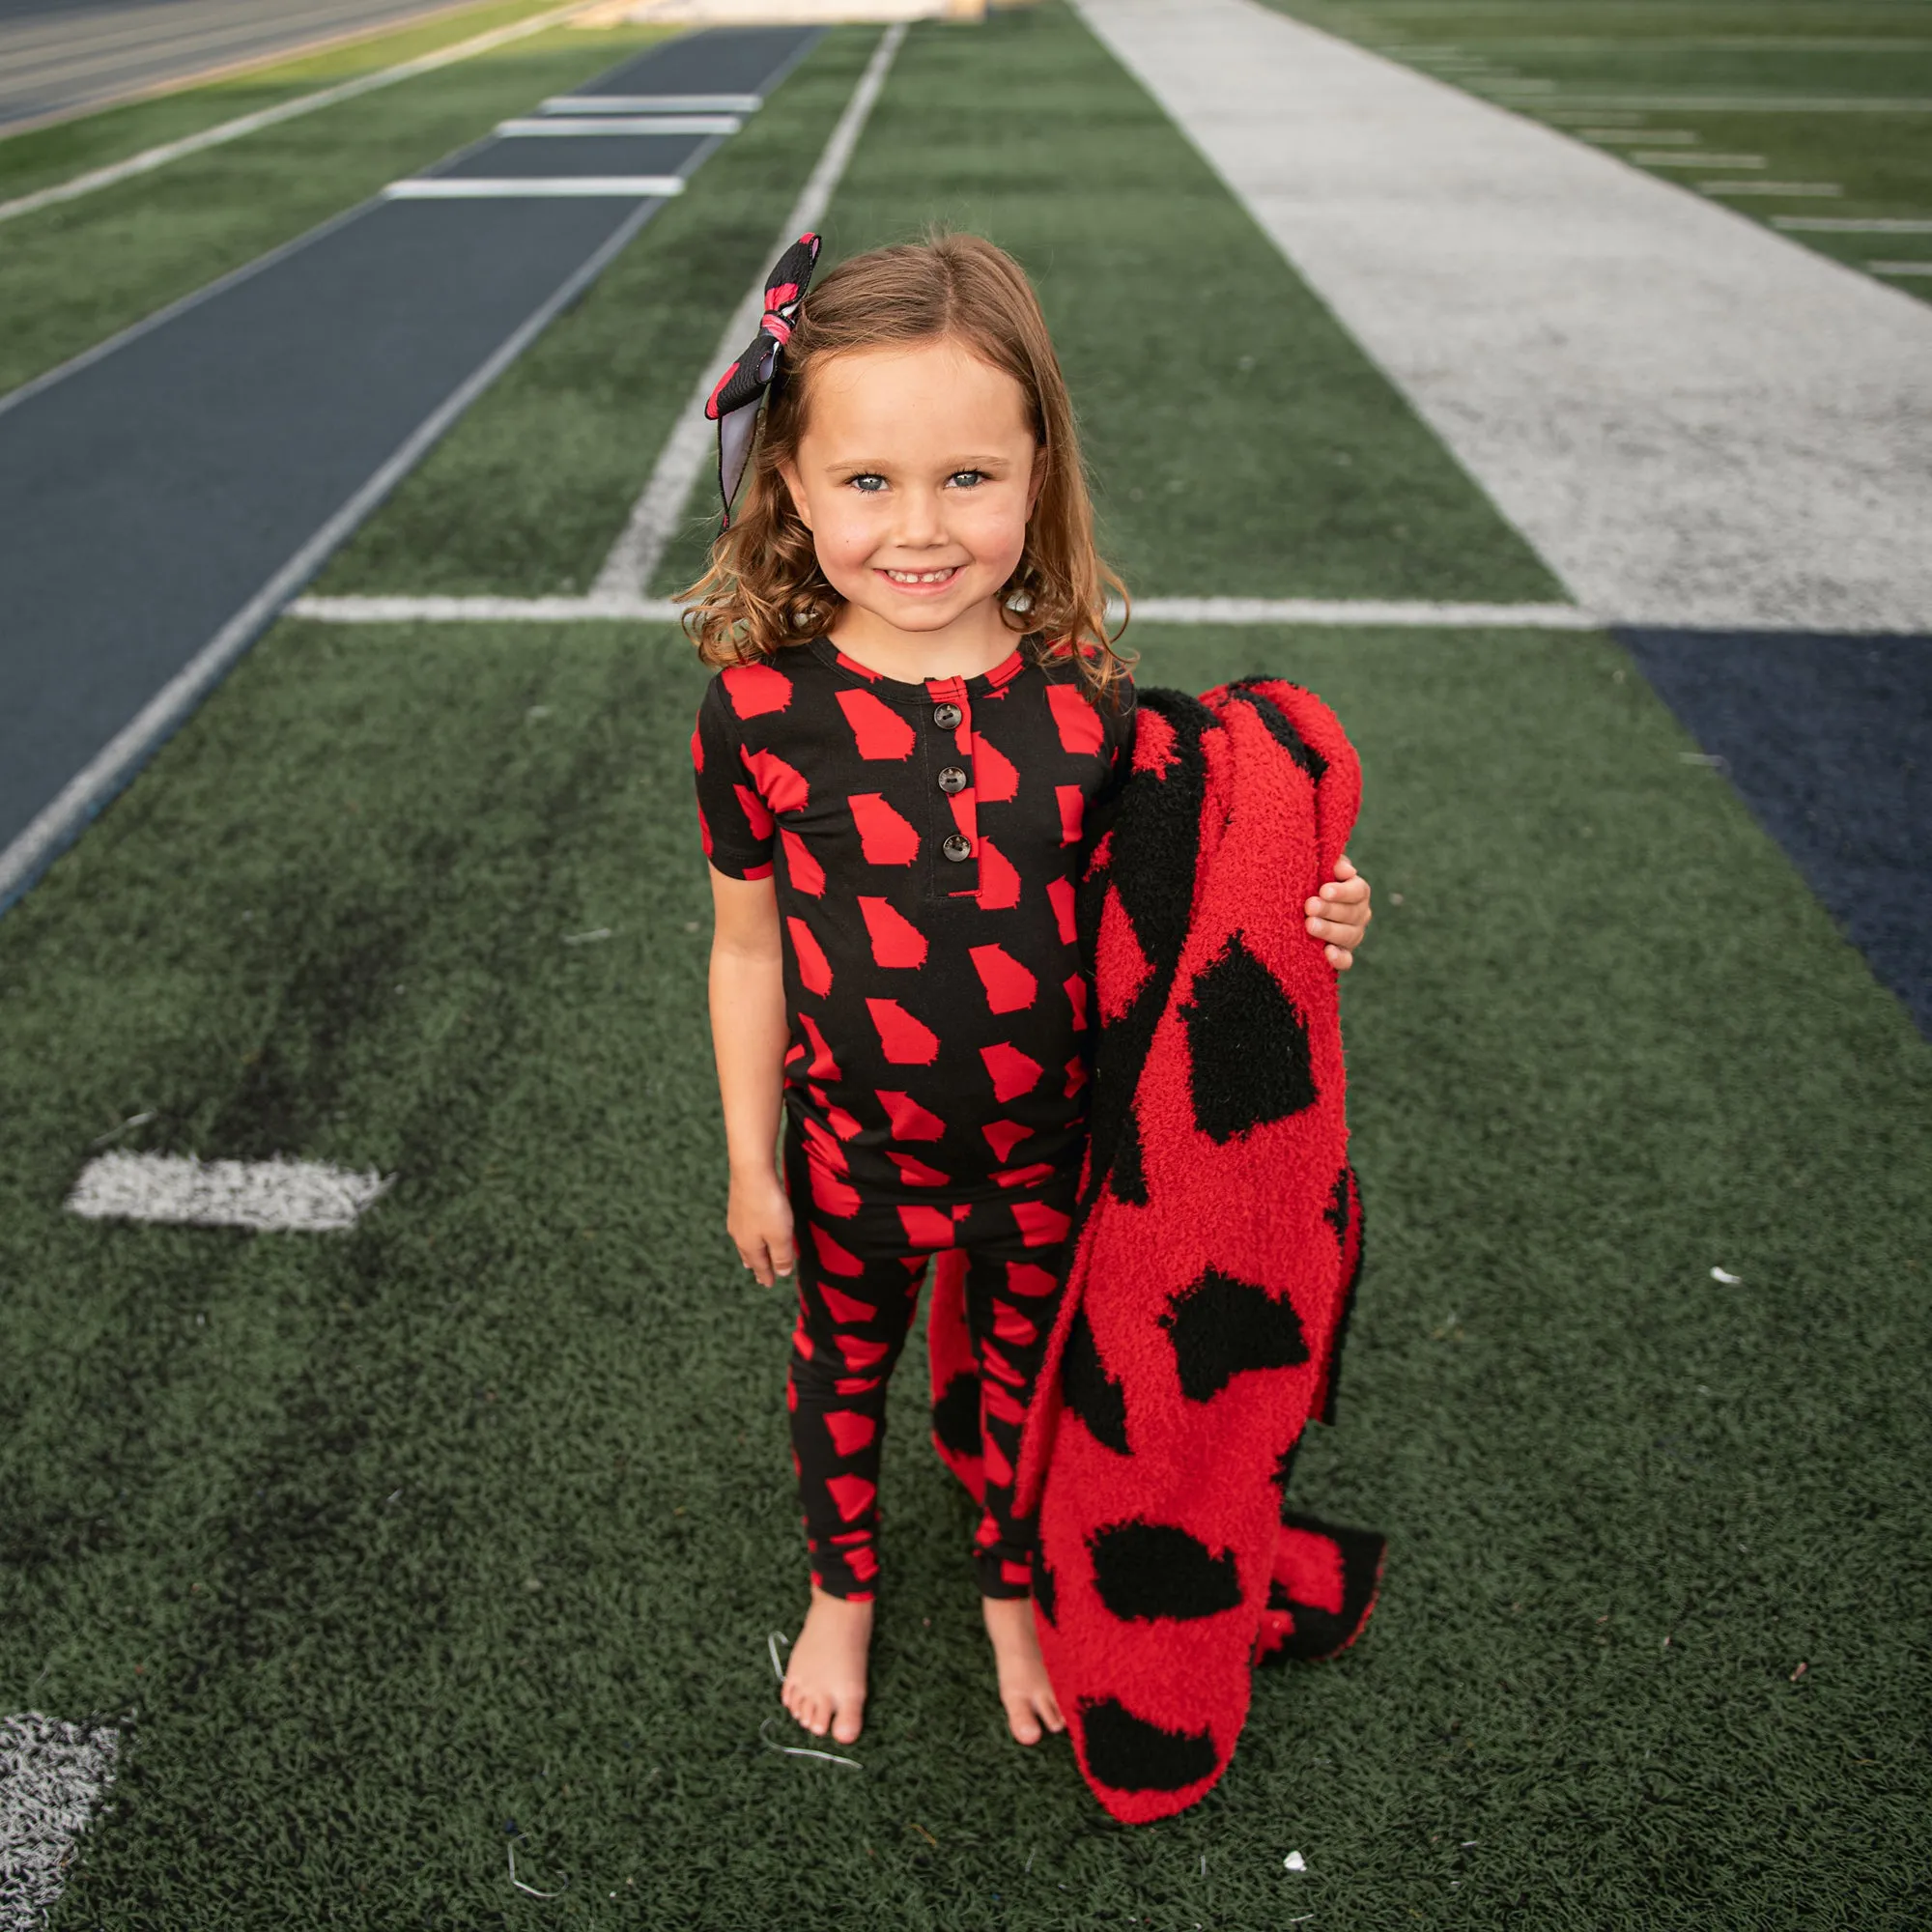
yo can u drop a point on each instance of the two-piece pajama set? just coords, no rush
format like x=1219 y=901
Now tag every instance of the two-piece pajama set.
x=924 y=841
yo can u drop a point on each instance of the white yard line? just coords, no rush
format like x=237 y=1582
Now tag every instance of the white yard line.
x=1749 y=103
x=566 y=126
x=1900 y=267
x=110 y=768
x=652 y=103
x=485 y=609
x=151 y=158
x=634 y=558
x=1363 y=612
x=1694 y=421
x=533 y=187
x=53 y=1778
x=1676 y=158
x=1352 y=613
x=1851 y=225
x=1775 y=191
x=289 y=1197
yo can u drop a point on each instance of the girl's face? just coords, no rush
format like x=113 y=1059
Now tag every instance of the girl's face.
x=916 y=474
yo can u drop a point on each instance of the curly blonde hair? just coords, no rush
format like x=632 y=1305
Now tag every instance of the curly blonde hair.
x=764 y=591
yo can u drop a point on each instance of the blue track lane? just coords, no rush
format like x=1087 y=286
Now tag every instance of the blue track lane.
x=1830 y=741
x=160 y=498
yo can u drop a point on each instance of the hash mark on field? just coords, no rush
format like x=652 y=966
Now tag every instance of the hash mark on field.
x=653 y=103
x=1812 y=189
x=1851 y=225
x=268 y=1196
x=566 y=126
x=534 y=187
x=1674 y=160
x=1900 y=267
x=52 y=1777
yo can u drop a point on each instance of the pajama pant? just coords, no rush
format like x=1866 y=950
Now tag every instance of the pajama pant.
x=859 y=1275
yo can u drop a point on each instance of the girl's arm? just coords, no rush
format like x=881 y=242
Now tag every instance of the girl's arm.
x=748 y=1035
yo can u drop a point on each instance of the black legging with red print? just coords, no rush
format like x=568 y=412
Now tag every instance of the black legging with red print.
x=924 y=841
x=857 y=1296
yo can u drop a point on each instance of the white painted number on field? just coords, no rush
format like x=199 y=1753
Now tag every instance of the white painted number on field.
x=52 y=1777
x=268 y=1196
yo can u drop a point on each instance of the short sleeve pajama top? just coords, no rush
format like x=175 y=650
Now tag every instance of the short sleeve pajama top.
x=925 y=841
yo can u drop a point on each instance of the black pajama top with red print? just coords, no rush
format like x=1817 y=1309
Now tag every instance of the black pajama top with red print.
x=924 y=841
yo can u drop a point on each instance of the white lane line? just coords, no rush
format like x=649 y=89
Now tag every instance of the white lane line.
x=561 y=127
x=1749 y=103
x=1313 y=613
x=1693 y=421
x=53 y=1779
x=533 y=187
x=116 y=762
x=1356 y=612
x=652 y=103
x=655 y=517
x=1814 y=190
x=151 y=158
x=1673 y=158
x=289 y=1197
x=1621 y=136
x=485 y=609
x=1851 y=225
x=1900 y=267
x=1350 y=613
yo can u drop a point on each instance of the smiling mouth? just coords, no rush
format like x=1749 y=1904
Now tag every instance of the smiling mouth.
x=918 y=578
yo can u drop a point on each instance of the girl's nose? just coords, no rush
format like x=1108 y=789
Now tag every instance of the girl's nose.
x=921 y=524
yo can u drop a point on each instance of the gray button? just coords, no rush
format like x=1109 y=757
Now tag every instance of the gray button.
x=947 y=717
x=952 y=780
x=957 y=848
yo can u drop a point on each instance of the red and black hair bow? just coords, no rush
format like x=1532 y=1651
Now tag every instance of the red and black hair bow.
x=734 y=403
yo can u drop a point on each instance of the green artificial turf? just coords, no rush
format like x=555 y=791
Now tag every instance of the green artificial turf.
x=528 y=494
x=376 y=1543
x=1240 y=443
x=1688 y=48
x=75 y=274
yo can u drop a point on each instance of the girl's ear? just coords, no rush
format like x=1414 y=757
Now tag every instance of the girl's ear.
x=794 y=484
x=1037 y=480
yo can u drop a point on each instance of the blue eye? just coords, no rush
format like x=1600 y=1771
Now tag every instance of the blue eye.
x=869 y=484
x=965 y=479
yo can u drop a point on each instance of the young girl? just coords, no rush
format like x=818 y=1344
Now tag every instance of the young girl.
x=919 y=709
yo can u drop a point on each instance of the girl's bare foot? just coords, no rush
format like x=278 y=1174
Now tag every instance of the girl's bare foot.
x=1032 y=1709
x=825 y=1681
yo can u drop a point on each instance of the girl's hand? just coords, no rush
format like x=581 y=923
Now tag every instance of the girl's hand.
x=1340 y=915
x=758 y=1220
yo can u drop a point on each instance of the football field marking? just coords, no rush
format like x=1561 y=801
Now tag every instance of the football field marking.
x=1900 y=267
x=1746 y=103
x=652 y=103
x=290 y=1197
x=1351 y=613
x=151 y=158
x=634 y=558
x=1820 y=190
x=53 y=1778
x=1694 y=420
x=566 y=126
x=1852 y=224
x=1676 y=158
x=533 y=187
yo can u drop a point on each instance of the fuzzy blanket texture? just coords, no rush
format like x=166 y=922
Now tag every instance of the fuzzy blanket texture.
x=1213 y=1258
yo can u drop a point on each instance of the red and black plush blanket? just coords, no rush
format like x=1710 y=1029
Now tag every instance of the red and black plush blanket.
x=1213 y=1258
